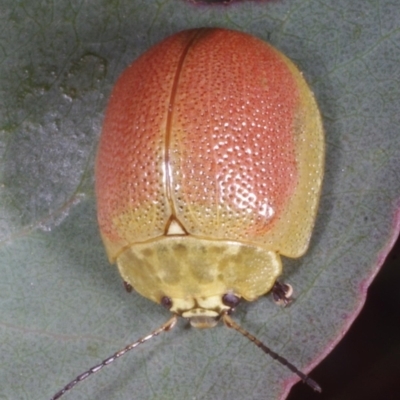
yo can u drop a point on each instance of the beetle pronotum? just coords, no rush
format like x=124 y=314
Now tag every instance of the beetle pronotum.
x=209 y=168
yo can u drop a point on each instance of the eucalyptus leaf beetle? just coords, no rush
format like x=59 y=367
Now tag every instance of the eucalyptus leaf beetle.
x=209 y=168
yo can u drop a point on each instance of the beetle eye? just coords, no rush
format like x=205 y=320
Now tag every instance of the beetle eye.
x=166 y=302
x=230 y=300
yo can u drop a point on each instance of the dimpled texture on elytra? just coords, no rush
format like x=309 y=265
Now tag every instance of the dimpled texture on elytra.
x=219 y=130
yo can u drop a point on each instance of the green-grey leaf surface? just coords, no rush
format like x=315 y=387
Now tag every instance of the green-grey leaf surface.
x=63 y=308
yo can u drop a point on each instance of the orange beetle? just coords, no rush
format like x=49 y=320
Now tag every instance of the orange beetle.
x=209 y=168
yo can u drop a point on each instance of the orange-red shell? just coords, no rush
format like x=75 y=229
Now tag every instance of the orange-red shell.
x=218 y=130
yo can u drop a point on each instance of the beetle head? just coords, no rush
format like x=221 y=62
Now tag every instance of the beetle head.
x=202 y=312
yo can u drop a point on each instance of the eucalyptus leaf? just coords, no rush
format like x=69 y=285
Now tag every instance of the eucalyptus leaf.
x=63 y=307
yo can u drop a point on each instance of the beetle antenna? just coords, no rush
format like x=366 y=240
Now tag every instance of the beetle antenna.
x=163 y=328
x=230 y=323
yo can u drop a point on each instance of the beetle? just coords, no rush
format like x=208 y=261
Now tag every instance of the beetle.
x=209 y=167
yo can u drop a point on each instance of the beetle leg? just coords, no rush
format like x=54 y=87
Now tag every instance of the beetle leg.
x=128 y=287
x=282 y=293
